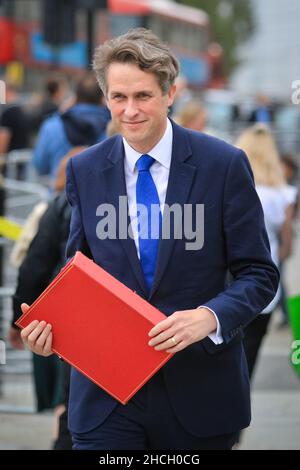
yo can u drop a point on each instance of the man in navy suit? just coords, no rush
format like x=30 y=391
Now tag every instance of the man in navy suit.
x=200 y=399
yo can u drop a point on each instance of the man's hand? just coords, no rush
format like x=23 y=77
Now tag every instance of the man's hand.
x=37 y=336
x=181 y=329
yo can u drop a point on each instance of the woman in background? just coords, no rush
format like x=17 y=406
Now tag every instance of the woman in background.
x=193 y=116
x=259 y=145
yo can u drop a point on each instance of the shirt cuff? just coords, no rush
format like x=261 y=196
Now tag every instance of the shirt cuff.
x=216 y=336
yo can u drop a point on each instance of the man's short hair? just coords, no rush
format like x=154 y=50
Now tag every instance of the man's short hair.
x=88 y=91
x=141 y=47
x=54 y=83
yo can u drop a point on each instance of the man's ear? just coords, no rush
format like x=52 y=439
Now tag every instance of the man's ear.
x=171 y=95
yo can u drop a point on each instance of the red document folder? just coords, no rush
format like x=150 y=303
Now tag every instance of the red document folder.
x=100 y=327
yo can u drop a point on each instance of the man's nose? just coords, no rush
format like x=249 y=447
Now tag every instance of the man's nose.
x=131 y=109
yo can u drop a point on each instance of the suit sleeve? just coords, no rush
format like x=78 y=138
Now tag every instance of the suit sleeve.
x=254 y=276
x=77 y=240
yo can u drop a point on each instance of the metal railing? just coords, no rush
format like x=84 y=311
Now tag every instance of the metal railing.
x=17 y=159
x=21 y=195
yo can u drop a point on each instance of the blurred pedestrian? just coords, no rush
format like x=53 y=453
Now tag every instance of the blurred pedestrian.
x=183 y=95
x=193 y=116
x=42 y=262
x=263 y=112
x=86 y=120
x=55 y=91
x=290 y=170
x=44 y=259
x=260 y=147
x=14 y=127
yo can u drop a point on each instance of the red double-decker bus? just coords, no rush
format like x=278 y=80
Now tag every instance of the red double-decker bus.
x=185 y=29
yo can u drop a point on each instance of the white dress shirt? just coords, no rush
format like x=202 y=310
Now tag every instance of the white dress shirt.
x=160 y=169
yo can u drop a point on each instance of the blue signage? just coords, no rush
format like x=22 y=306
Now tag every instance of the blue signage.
x=70 y=55
x=195 y=70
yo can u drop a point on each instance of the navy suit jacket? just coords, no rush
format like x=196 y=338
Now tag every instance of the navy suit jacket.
x=207 y=384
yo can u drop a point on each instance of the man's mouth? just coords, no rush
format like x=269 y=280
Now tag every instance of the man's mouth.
x=133 y=122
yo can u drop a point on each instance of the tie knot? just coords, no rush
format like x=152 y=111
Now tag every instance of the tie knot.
x=144 y=162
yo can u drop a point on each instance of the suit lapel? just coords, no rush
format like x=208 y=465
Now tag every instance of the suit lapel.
x=114 y=178
x=180 y=182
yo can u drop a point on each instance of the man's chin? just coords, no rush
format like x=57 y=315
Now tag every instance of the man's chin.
x=134 y=137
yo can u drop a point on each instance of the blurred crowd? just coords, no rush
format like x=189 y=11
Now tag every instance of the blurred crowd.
x=58 y=123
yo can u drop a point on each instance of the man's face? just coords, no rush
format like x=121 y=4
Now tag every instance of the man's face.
x=137 y=105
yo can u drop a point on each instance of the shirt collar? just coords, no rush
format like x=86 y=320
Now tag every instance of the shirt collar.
x=162 y=152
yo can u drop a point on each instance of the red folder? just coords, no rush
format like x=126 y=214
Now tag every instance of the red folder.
x=100 y=327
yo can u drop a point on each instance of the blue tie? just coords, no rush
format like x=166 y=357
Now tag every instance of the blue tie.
x=149 y=228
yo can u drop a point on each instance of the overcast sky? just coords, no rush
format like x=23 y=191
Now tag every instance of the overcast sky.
x=272 y=57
